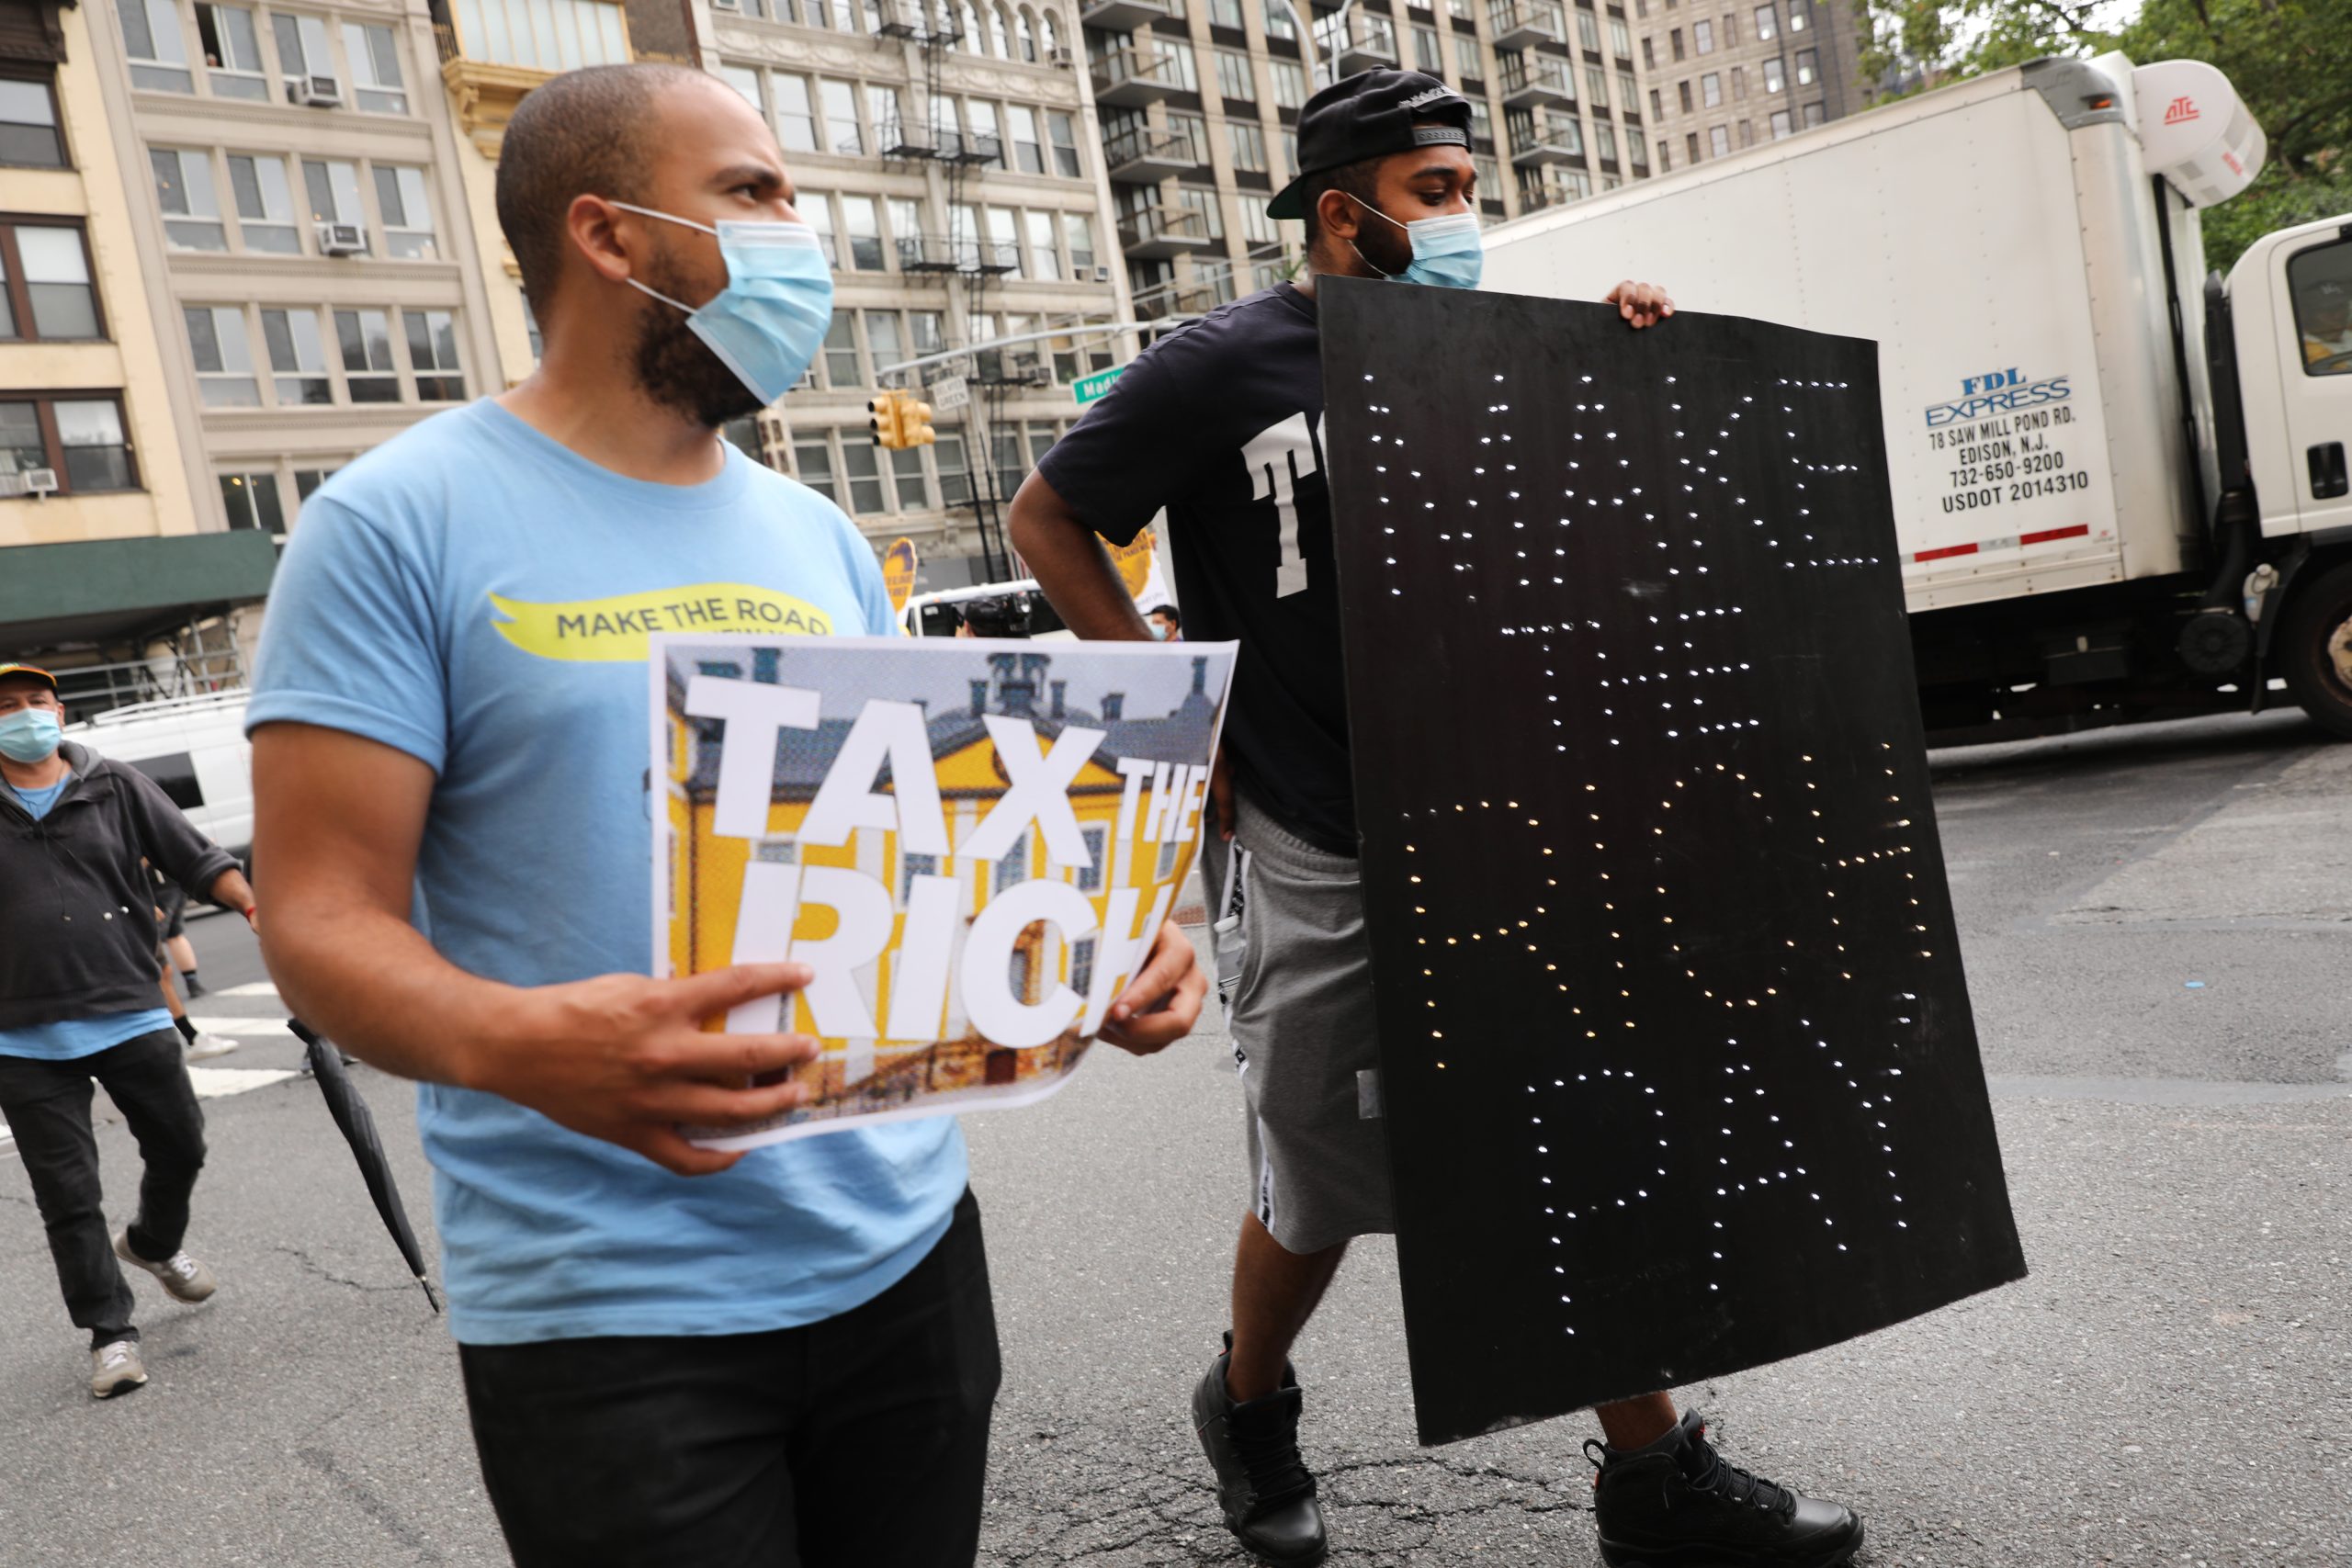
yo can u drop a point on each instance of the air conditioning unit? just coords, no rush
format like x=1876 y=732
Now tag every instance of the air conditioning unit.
x=341 y=239
x=315 y=92
x=1102 y=275
x=1057 y=56
x=39 y=482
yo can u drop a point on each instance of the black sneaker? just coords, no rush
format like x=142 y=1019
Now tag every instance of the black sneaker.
x=1261 y=1484
x=1676 y=1504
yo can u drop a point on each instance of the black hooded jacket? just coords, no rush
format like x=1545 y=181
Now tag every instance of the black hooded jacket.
x=77 y=912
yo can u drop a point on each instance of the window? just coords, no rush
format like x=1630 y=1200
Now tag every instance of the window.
x=906 y=228
x=375 y=68
x=365 y=338
x=1767 y=24
x=301 y=47
x=1781 y=126
x=1588 y=30
x=1005 y=235
x=1731 y=30
x=45 y=284
x=1078 y=232
x=907 y=480
x=795 y=122
x=816 y=209
x=882 y=111
x=333 y=190
x=1657 y=106
x=1465 y=57
x=862 y=225
x=925 y=332
x=1800 y=14
x=861 y=465
x=1482 y=121
x=1637 y=146
x=1290 y=82
x=1604 y=141
x=840 y=353
x=297 y=356
x=1649 y=53
x=306 y=485
x=1045 y=255
x=1081 y=952
x=2319 y=282
x=183 y=190
x=988 y=141
x=955 y=471
x=224 y=356
x=1748 y=133
x=1808 y=66
x=841 y=131
x=1812 y=116
x=1278 y=21
x=28 y=135
x=1711 y=89
x=408 y=219
x=1425 y=51
x=151 y=37
x=1703 y=37
x=1775 y=75
x=1690 y=145
x=1028 y=152
x=1596 y=88
x=1676 y=36
x=1191 y=132
x=813 y=461
x=1193 y=198
x=1234 y=79
x=883 y=344
x=232 y=51
x=1621 y=39
x=1098 y=860
x=433 y=355
x=1740 y=81
x=1249 y=142
x=251 y=500
x=265 y=204
x=89 y=432
x=1256 y=226
x=1719 y=142
x=745 y=81
x=1628 y=99
x=1063 y=130
x=1225 y=14
x=1683 y=88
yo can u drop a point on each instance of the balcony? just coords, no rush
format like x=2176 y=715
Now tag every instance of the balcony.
x=1130 y=78
x=1371 y=54
x=1158 y=233
x=1142 y=157
x=1124 y=15
x=955 y=147
x=1520 y=24
x=494 y=51
x=1532 y=79
x=1539 y=136
x=898 y=140
x=1177 y=299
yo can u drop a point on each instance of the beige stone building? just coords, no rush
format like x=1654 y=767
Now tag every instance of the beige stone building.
x=1722 y=77
x=104 y=550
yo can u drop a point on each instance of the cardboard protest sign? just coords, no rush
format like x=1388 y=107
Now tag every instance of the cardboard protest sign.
x=972 y=844
x=1679 y=1065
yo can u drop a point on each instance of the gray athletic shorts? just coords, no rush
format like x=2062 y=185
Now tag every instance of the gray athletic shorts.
x=1295 y=977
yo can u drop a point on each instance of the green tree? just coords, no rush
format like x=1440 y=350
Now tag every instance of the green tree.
x=2290 y=60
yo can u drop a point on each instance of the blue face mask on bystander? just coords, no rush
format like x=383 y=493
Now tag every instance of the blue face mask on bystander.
x=766 y=325
x=28 y=735
x=1448 y=252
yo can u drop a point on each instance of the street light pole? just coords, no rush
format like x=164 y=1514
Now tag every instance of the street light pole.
x=1306 y=40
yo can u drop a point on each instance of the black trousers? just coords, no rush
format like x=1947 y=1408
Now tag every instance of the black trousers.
x=47 y=1105
x=857 y=1442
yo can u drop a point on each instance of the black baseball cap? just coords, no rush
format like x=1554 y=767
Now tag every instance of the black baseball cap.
x=1370 y=115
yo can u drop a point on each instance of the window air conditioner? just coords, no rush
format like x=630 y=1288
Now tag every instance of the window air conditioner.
x=341 y=239
x=315 y=92
x=1102 y=275
x=40 y=481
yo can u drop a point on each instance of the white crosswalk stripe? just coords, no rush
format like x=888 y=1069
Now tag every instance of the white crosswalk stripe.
x=242 y=1028
x=215 y=1083
x=256 y=988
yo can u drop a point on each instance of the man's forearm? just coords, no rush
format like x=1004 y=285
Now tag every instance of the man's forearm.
x=372 y=983
x=232 y=891
x=1071 y=566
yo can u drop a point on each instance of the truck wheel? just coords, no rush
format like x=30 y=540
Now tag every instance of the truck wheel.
x=2315 y=653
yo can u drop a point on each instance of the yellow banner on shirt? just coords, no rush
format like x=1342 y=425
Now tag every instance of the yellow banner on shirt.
x=616 y=630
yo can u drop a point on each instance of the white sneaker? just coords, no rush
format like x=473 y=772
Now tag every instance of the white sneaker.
x=183 y=1275
x=114 y=1369
x=207 y=1045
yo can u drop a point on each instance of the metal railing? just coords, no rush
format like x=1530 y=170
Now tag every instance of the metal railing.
x=205 y=676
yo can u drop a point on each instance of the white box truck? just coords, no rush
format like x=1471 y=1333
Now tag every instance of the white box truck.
x=2120 y=487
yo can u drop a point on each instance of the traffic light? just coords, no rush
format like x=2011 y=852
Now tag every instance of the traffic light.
x=899 y=420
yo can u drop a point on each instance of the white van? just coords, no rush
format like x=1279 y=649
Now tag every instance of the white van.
x=194 y=747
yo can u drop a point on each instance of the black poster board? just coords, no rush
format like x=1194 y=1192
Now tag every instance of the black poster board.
x=1679 y=1065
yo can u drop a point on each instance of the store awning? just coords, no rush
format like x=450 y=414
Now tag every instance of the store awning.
x=116 y=591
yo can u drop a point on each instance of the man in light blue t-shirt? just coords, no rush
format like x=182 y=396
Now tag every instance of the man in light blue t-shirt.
x=791 y=1356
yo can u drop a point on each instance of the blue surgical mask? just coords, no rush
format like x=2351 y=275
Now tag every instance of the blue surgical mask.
x=767 y=323
x=1448 y=253
x=28 y=735
x=1159 y=632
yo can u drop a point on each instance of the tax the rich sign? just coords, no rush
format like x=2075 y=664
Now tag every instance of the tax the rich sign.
x=971 y=843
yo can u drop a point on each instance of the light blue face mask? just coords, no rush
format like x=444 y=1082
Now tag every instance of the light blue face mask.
x=28 y=735
x=1448 y=253
x=769 y=321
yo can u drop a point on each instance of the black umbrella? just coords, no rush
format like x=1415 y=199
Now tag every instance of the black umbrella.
x=359 y=1124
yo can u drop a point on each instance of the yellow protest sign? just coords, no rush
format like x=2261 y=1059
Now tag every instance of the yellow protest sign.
x=898 y=572
x=619 y=628
x=1134 y=561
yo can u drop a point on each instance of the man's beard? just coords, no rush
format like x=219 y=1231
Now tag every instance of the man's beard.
x=1381 y=247
x=677 y=369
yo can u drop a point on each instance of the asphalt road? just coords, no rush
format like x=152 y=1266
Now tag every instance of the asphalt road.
x=2156 y=924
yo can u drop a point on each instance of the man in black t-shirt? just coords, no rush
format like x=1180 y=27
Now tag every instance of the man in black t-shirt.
x=1220 y=423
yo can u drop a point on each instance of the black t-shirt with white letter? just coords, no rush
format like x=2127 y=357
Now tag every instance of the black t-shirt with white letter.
x=1221 y=423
